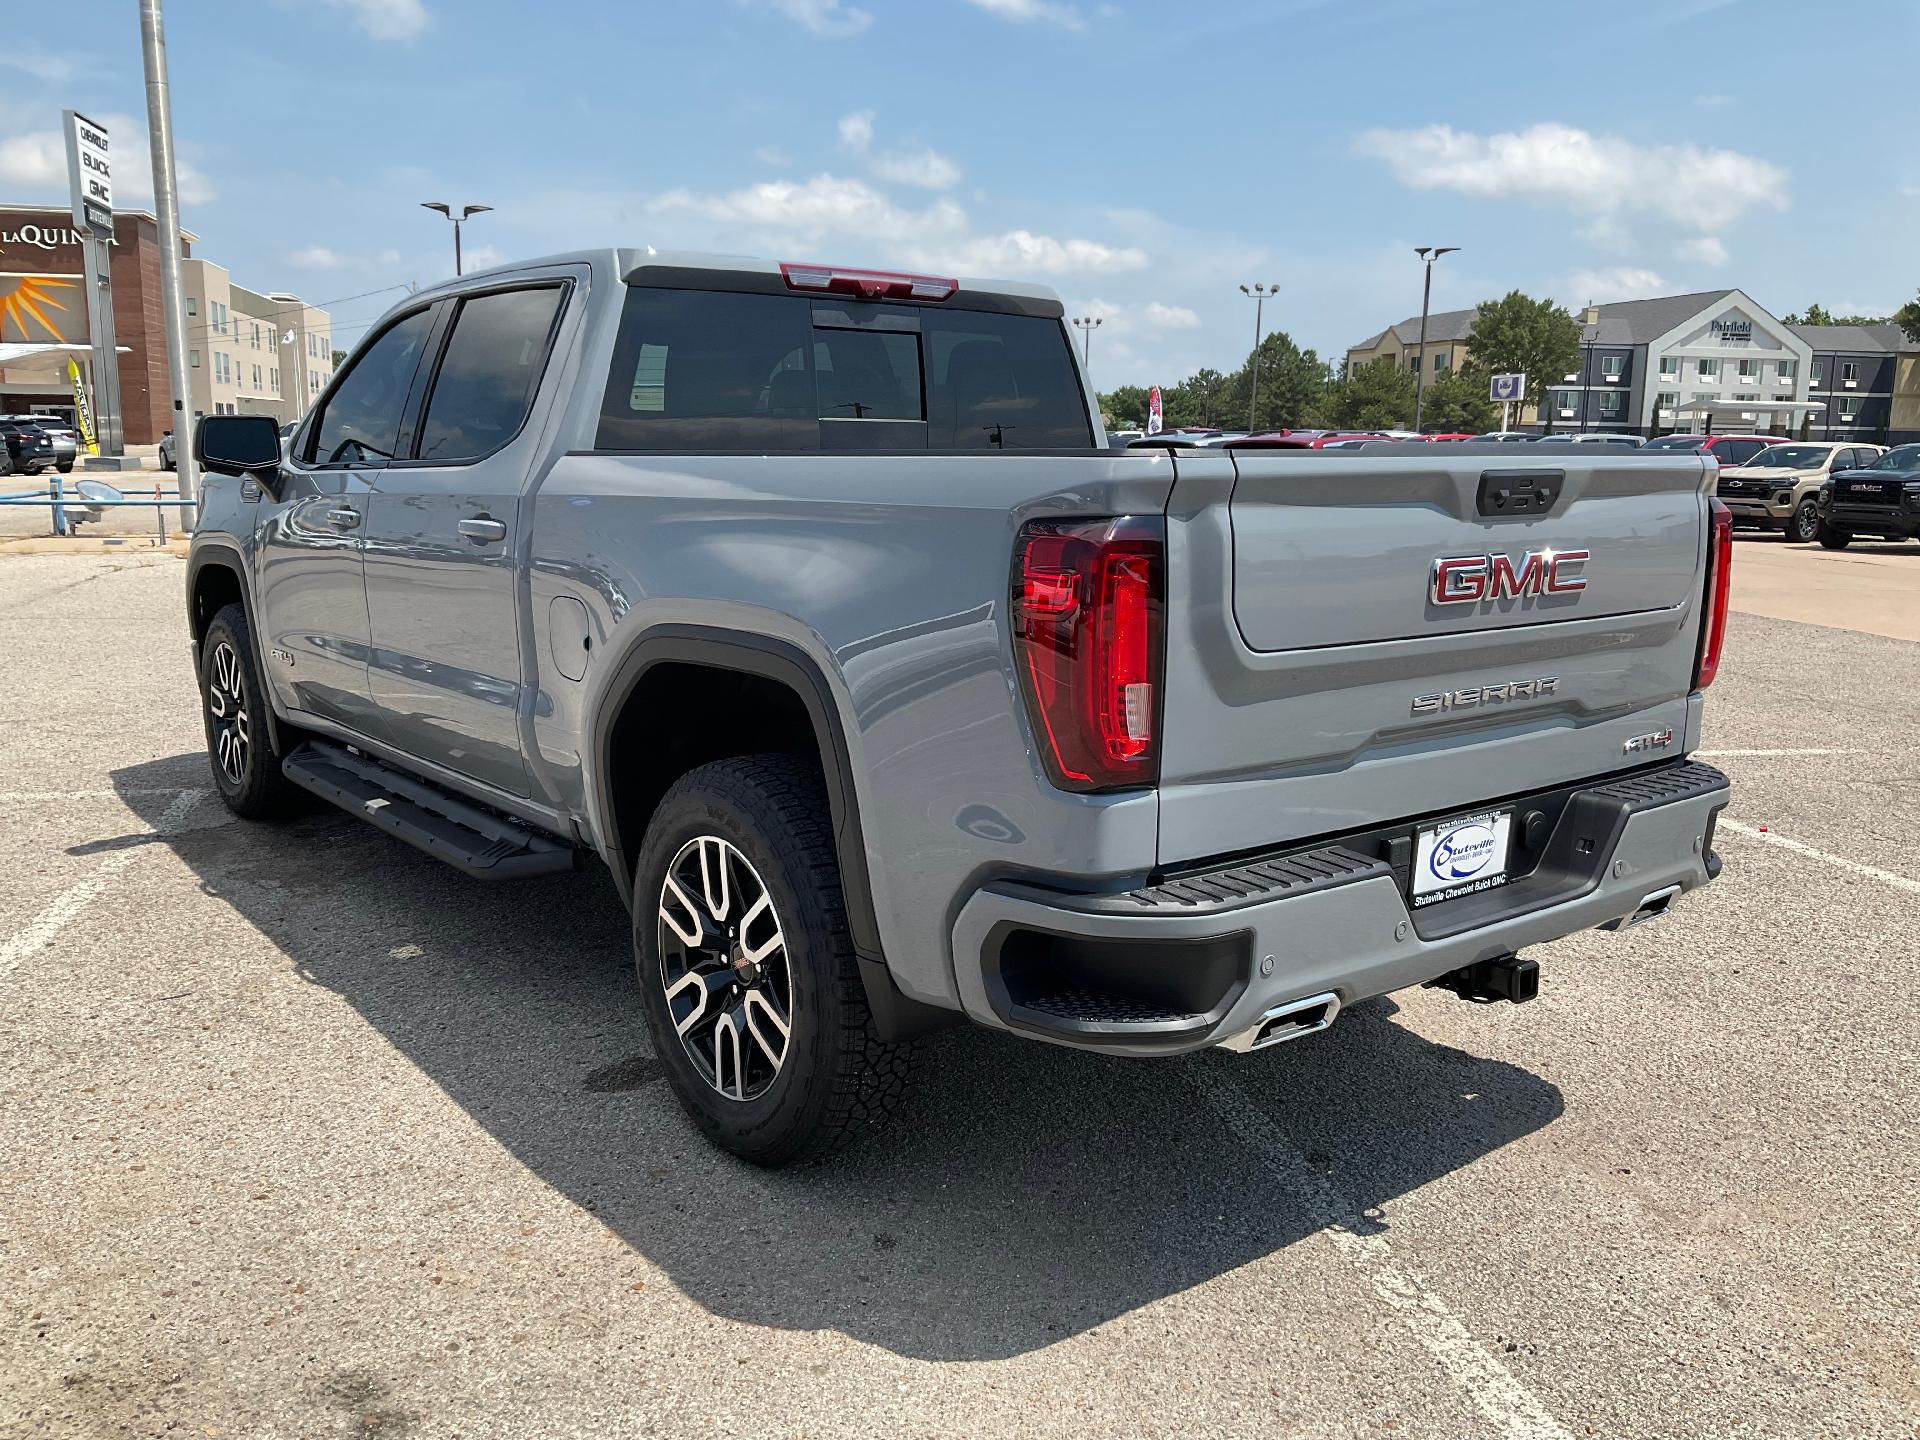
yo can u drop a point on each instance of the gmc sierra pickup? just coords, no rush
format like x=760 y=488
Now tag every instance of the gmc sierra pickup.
x=813 y=603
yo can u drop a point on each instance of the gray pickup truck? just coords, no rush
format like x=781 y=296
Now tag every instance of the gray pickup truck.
x=813 y=602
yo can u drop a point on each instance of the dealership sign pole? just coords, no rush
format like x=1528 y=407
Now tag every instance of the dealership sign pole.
x=166 y=208
x=90 y=174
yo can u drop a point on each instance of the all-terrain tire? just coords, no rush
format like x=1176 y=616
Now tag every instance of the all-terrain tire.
x=836 y=1078
x=1802 y=527
x=1833 y=538
x=233 y=704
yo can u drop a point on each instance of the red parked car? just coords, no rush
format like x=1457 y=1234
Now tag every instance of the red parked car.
x=1729 y=450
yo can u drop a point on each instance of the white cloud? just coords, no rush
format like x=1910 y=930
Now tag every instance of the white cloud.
x=773 y=155
x=924 y=168
x=37 y=159
x=1034 y=12
x=829 y=18
x=1612 y=282
x=1122 y=319
x=830 y=208
x=856 y=131
x=1704 y=250
x=483 y=257
x=53 y=67
x=316 y=257
x=386 y=19
x=1712 y=102
x=325 y=257
x=1573 y=169
x=1169 y=317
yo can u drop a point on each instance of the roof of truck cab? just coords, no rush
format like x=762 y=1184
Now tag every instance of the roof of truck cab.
x=626 y=260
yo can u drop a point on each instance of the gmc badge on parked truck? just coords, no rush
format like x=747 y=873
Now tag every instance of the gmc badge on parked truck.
x=1469 y=579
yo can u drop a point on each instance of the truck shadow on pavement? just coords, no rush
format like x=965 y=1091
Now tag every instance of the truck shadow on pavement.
x=1028 y=1194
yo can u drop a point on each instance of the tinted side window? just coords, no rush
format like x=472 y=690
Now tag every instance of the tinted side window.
x=700 y=370
x=1001 y=381
x=361 y=422
x=489 y=372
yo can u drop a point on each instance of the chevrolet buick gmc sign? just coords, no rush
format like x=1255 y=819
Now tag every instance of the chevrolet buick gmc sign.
x=90 y=174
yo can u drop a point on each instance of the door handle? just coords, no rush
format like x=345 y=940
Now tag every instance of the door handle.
x=343 y=518
x=483 y=529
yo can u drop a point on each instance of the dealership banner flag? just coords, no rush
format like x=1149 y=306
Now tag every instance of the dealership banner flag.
x=82 y=412
x=1153 y=412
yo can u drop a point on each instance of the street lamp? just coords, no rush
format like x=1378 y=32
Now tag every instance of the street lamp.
x=467 y=212
x=1259 y=294
x=1428 y=254
x=1086 y=325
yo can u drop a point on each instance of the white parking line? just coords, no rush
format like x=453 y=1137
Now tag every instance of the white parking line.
x=65 y=907
x=1515 y=1411
x=1840 y=862
x=45 y=797
x=1730 y=755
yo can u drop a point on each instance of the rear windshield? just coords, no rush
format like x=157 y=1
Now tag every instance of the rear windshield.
x=702 y=370
x=1790 y=457
x=1677 y=442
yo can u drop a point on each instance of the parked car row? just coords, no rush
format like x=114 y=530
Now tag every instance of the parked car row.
x=37 y=442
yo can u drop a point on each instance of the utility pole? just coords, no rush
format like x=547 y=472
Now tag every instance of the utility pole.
x=166 y=207
x=467 y=212
x=1086 y=325
x=1428 y=254
x=1259 y=294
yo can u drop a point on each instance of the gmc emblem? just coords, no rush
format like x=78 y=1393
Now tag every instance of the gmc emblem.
x=1469 y=579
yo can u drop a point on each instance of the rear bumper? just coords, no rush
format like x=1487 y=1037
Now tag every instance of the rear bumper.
x=1200 y=960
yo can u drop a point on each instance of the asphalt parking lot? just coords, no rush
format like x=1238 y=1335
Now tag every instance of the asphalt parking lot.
x=302 y=1134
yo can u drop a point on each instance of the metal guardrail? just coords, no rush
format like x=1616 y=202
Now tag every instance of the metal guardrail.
x=94 y=506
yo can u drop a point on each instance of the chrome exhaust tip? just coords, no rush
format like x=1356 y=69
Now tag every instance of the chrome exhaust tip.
x=1286 y=1022
x=1651 y=907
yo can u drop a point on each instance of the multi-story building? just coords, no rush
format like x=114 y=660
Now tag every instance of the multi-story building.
x=1715 y=358
x=235 y=362
x=252 y=354
x=1854 y=370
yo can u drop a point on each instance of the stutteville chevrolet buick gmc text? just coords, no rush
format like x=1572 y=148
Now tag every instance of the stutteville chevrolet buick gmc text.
x=813 y=603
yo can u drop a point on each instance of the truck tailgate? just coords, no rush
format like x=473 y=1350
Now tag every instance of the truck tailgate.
x=1318 y=681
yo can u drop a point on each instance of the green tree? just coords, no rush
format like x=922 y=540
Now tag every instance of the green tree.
x=1376 y=396
x=1521 y=335
x=1292 y=382
x=1819 y=315
x=1200 y=399
x=1125 y=407
x=1456 y=402
x=1907 y=317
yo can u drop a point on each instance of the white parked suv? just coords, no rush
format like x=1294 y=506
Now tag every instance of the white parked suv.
x=1777 y=489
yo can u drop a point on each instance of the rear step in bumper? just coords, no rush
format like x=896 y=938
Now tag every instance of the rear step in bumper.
x=1211 y=959
x=477 y=841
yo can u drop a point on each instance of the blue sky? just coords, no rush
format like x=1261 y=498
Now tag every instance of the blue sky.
x=1144 y=159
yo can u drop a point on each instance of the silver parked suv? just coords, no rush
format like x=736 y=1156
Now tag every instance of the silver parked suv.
x=813 y=604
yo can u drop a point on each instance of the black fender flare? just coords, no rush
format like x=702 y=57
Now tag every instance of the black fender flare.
x=209 y=553
x=895 y=1016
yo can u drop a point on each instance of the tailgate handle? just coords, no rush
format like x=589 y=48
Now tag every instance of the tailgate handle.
x=1519 y=494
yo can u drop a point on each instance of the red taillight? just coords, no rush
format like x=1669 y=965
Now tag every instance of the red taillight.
x=867 y=284
x=1713 y=627
x=1087 y=637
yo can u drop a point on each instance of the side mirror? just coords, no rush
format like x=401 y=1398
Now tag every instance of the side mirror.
x=242 y=445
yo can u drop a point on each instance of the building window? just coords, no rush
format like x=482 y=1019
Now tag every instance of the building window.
x=1787 y=369
x=256 y=377
x=1413 y=363
x=1611 y=402
x=1783 y=399
x=1664 y=403
x=193 y=358
x=1749 y=369
x=1739 y=398
x=1849 y=410
x=1612 y=367
x=276 y=379
x=1708 y=369
x=1819 y=373
x=193 y=305
x=1440 y=362
x=1564 y=401
x=1669 y=367
x=1849 y=373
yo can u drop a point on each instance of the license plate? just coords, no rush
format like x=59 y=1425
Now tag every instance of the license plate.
x=1460 y=857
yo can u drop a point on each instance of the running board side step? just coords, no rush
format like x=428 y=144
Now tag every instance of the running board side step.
x=471 y=839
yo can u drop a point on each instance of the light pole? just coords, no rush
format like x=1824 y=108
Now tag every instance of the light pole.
x=1428 y=254
x=1086 y=325
x=1259 y=294
x=467 y=212
x=166 y=209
